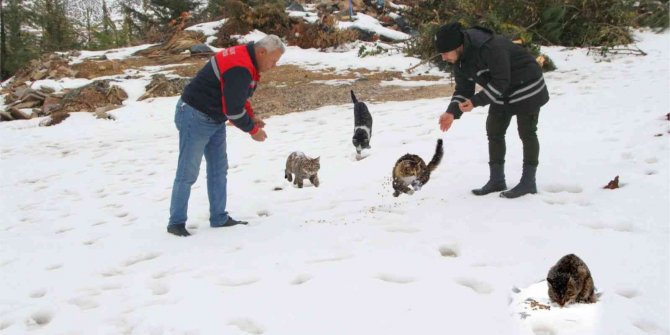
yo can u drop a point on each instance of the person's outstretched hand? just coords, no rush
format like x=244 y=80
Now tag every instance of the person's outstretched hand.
x=446 y=119
x=258 y=122
x=260 y=135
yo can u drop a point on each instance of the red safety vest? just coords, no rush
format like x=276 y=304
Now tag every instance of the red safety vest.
x=237 y=56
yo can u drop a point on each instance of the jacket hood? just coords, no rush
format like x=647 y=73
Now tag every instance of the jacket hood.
x=474 y=38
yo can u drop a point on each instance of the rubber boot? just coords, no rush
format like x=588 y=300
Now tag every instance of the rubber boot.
x=496 y=181
x=526 y=185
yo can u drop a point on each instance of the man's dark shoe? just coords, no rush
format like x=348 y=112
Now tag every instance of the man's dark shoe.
x=178 y=230
x=229 y=223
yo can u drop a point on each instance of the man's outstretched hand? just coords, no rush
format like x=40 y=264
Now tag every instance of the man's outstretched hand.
x=446 y=119
x=258 y=122
x=260 y=135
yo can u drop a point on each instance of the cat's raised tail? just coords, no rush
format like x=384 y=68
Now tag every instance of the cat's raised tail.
x=353 y=97
x=437 y=157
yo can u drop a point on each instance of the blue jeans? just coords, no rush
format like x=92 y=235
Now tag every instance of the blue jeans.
x=199 y=135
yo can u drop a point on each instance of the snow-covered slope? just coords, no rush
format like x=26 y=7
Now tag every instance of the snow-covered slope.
x=83 y=247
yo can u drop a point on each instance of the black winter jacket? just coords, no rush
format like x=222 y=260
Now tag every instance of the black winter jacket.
x=509 y=75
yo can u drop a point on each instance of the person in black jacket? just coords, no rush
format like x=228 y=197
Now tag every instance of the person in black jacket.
x=219 y=92
x=511 y=84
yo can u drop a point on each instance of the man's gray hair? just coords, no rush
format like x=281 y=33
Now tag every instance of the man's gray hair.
x=271 y=43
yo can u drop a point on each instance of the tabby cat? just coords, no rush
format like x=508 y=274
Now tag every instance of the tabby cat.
x=410 y=170
x=303 y=167
x=570 y=281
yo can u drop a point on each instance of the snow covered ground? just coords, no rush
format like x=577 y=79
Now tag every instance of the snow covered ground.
x=83 y=247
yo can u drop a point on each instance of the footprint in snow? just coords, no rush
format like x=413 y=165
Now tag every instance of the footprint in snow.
x=622 y=226
x=543 y=329
x=39 y=318
x=141 y=258
x=477 y=286
x=628 y=293
x=63 y=230
x=84 y=303
x=396 y=279
x=448 y=251
x=247 y=325
x=158 y=288
x=113 y=272
x=111 y=286
x=559 y=188
x=329 y=259
x=649 y=327
x=238 y=281
x=301 y=279
x=39 y=293
x=400 y=229
x=650 y=172
x=4 y=324
x=54 y=266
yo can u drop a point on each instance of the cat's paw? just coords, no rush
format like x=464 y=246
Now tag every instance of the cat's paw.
x=410 y=192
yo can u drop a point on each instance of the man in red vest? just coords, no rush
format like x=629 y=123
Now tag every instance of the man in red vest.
x=219 y=92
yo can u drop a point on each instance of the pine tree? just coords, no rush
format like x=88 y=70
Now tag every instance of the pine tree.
x=129 y=27
x=215 y=9
x=107 y=36
x=168 y=10
x=57 y=31
x=3 y=42
x=18 y=47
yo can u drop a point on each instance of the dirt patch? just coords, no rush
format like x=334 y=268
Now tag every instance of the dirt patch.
x=184 y=65
x=90 y=69
x=161 y=86
x=99 y=93
x=179 y=42
x=288 y=89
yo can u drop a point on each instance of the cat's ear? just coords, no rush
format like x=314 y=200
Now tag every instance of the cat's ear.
x=318 y=159
x=550 y=281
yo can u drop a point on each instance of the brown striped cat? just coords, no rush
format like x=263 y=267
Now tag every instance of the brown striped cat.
x=570 y=281
x=302 y=167
x=411 y=170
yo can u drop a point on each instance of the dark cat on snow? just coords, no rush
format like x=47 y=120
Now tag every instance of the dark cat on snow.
x=362 y=125
x=303 y=167
x=411 y=170
x=570 y=281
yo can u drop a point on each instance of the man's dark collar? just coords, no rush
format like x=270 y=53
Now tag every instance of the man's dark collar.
x=252 y=54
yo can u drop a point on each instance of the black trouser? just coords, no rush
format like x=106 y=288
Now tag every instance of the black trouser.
x=496 y=126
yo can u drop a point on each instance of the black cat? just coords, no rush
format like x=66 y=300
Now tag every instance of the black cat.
x=362 y=125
